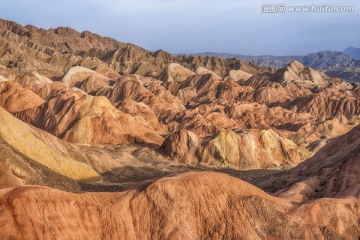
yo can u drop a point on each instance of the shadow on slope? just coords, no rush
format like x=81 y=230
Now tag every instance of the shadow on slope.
x=130 y=177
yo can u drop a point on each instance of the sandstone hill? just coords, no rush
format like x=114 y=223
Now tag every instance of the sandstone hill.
x=89 y=89
x=30 y=156
x=331 y=172
x=345 y=65
x=186 y=206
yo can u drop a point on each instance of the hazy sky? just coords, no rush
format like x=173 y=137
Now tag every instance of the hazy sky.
x=187 y=26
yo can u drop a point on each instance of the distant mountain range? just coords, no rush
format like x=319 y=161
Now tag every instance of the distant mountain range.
x=345 y=65
x=353 y=52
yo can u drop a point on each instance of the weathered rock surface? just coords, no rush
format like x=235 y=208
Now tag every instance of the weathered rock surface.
x=36 y=147
x=75 y=116
x=15 y=98
x=244 y=150
x=185 y=206
x=331 y=172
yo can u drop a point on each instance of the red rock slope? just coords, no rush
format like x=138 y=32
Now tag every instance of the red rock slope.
x=186 y=206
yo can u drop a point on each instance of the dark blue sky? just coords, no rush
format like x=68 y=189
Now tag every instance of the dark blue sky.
x=187 y=26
